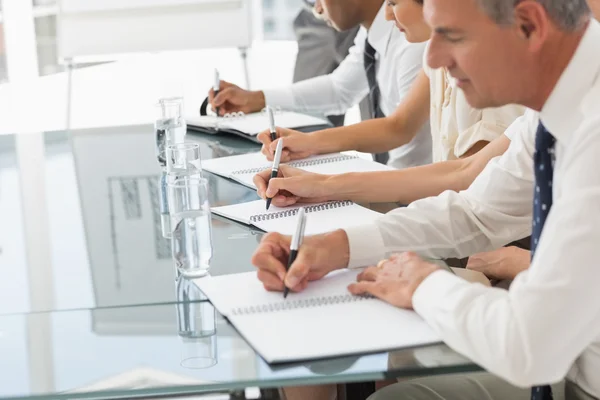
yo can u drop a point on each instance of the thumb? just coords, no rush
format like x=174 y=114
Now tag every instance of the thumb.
x=275 y=185
x=298 y=272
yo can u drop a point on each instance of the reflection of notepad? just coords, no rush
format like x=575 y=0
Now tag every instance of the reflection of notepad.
x=250 y=125
x=323 y=321
x=242 y=168
x=320 y=218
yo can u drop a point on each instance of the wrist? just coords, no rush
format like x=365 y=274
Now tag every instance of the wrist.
x=338 y=187
x=257 y=100
x=335 y=249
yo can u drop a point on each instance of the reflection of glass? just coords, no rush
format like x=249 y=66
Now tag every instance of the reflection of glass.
x=197 y=327
x=183 y=159
x=191 y=237
x=170 y=127
x=165 y=217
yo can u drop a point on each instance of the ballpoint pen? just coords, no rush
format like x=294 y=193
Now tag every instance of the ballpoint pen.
x=296 y=242
x=275 y=168
x=272 y=124
x=216 y=86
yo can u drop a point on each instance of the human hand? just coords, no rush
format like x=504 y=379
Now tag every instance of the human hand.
x=292 y=186
x=318 y=256
x=232 y=98
x=296 y=146
x=394 y=280
x=504 y=263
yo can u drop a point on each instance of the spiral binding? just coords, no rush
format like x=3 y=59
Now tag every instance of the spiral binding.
x=296 y=304
x=290 y=213
x=300 y=164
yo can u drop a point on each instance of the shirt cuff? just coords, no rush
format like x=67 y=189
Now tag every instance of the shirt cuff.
x=366 y=245
x=283 y=98
x=434 y=291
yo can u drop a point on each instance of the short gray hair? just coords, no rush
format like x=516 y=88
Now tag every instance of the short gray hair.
x=568 y=14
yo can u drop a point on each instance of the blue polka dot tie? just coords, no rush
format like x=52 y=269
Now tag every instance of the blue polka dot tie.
x=542 y=202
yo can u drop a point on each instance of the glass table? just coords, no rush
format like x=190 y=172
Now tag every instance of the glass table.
x=105 y=314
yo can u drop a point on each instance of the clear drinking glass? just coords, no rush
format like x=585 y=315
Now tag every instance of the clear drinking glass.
x=197 y=326
x=170 y=126
x=191 y=232
x=183 y=159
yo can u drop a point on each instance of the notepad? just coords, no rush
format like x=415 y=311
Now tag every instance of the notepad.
x=250 y=125
x=320 y=217
x=242 y=168
x=323 y=321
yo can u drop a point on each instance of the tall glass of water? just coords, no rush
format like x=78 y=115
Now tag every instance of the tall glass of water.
x=170 y=126
x=191 y=232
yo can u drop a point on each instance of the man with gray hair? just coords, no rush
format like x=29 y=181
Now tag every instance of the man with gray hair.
x=545 y=329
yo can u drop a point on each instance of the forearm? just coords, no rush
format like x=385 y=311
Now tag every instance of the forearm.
x=372 y=136
x=402 y=186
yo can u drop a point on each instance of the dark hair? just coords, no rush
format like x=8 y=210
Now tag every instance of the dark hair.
x=419 y=1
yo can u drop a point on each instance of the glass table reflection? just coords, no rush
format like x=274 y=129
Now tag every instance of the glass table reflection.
x=169 y=349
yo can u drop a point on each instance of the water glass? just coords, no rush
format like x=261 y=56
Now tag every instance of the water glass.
x=183 y=159
x=191 y=232
x=170 y=126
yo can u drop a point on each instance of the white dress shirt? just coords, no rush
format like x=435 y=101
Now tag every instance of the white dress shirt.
x=547 y=326
x=455 y=125
x=398 y=64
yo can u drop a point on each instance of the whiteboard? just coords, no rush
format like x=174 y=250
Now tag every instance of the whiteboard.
x=92 y=28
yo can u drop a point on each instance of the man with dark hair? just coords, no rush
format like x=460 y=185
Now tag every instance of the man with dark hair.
x=321 y=48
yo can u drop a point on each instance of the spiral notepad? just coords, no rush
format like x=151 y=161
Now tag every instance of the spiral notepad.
x=323 y=321
x=242 y=168
x=250 y=125
x=321 y=217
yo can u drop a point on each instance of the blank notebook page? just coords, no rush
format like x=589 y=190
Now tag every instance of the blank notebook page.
x=242 y=168
x=323 y=321
x=320 y=218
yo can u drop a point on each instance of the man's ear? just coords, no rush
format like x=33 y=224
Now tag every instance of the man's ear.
x=532 y=22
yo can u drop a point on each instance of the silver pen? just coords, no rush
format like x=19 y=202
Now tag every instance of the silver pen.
x=275 y=168
x=217 y=86
x=296 y=242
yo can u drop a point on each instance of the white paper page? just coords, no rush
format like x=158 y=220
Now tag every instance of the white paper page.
x=249 y=291
x=333 y=330
x=226 y=166
x=243 y=211
x=348 y=165
x=323 y=329
x=255 y=123
x=322 y=221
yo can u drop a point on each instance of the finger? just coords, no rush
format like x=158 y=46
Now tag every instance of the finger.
x=271 y=254
x=211 y=95
x=370 y=274
x=364 y=288
x=264 y=137
x=223 y=96
x=285 y=156
x=266 y=151
x=270 y=281
x=261 y=185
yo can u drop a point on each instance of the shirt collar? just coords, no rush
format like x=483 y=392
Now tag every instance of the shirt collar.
x=380 y=32
x=562 y=114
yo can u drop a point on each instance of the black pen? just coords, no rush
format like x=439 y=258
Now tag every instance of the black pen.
x=296 y=242
x=216 y=86
x=275 y=169
x=272 y=128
